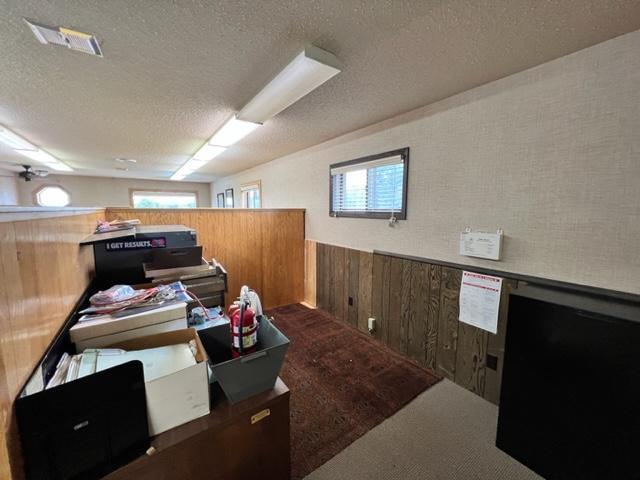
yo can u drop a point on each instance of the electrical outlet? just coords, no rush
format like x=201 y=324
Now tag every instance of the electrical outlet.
x=492 y=362
x=371 y=324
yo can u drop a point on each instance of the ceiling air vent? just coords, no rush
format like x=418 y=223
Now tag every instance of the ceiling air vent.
x=82 y=42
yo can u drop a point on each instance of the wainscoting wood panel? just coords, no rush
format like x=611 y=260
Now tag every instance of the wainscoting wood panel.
x=365 y=273
x=418 y=315
x=352 y=273
x=433 y=315
x=338 y=282
x=310 y=272
x=448 y=325
x=415 y=305
x=261 y=248
x=44 y=271
x=395 y=318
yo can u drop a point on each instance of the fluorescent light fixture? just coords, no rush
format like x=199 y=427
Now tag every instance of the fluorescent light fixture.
x=23 y=147
x=188 y=168
x=306 y=72
x=208 y=152
x=46 y=159
x=232 y=131
x=14 y=141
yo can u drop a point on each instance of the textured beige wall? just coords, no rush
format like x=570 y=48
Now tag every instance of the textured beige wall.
x=8 y=188
x=106 y=192
x=551 y=155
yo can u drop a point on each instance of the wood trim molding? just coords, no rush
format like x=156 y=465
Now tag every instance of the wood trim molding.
x=547 y=282
x=16 y=214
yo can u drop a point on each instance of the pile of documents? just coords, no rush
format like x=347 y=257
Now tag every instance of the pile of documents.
x=123 y=297
x=116 y=225
x=157 y=362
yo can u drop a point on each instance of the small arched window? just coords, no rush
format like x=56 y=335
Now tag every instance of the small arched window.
x=52 y=196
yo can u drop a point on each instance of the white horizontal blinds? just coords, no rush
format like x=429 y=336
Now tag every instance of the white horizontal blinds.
x=374 y=186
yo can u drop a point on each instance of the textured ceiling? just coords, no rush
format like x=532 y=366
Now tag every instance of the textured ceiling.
x=174 y=71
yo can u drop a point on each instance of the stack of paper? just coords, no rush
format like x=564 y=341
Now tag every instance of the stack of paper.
x=157 y=362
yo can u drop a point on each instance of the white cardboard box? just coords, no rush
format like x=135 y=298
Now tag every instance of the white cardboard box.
x=181 y=396
x=102 y=332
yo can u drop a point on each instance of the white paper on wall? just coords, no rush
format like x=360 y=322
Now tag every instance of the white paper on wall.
x=480 y=300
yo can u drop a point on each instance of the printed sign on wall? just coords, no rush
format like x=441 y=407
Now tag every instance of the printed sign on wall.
x=480 y=300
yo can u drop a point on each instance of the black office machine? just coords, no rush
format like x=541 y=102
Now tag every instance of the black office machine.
x=119 y=255
x=157 y=254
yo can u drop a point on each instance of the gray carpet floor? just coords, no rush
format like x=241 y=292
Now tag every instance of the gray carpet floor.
x=445 y=433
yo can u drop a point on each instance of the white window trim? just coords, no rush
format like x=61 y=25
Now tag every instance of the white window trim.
x=246 y=187
x=50 y=185
x=372 y=161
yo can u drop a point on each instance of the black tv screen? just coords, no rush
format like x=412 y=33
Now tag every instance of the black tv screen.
x=570 y=399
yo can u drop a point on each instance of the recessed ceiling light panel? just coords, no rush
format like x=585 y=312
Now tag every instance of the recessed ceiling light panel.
x=14 y=141
x=233 y=131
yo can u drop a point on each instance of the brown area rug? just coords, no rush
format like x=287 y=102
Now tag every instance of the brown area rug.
x=342 y=383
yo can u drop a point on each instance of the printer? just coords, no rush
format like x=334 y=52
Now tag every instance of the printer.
x=119 y=255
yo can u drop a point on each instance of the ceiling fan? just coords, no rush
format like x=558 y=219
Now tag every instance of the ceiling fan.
x=28 y=173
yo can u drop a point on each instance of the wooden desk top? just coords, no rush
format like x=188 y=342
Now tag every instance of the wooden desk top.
x=222 y=412
x=178 y=452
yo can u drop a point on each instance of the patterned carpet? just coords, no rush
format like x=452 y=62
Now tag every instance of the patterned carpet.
x=342 y=382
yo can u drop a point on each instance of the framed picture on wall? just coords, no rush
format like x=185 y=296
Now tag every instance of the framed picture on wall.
x=228 y=194
x=220 y=197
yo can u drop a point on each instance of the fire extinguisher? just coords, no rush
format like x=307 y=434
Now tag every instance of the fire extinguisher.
x=249 y=329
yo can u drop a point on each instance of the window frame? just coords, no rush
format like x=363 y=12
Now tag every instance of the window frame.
x=133 y=191
x=400 y=214
x=50 y=185
x=229 y=195
x=247 y=187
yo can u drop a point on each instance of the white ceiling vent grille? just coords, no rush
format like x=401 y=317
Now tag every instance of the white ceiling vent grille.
x=82 y=42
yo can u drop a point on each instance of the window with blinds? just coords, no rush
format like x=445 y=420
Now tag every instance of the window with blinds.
x=373 y=187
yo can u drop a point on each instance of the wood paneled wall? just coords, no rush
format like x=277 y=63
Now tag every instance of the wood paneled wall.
x=44 y=271
x=343 y=283
x=310 y=272
x=415 y=305
x=261 y=248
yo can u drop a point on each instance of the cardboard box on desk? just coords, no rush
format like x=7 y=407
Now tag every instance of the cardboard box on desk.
x=102 y=332
x=179 y=397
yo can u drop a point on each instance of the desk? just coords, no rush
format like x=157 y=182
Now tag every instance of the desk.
x=222 y=445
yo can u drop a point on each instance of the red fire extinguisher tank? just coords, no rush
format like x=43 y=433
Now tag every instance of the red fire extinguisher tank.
x=249 y=330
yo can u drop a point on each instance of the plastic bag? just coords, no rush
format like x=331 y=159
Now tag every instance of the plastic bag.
x=117 y=293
